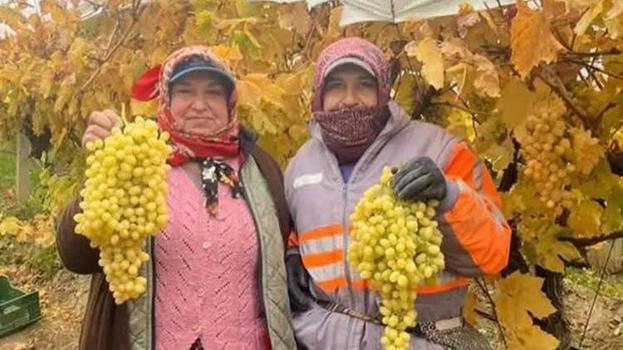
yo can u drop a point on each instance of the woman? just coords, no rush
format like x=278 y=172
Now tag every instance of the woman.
x=356 y=130
x=216 y=278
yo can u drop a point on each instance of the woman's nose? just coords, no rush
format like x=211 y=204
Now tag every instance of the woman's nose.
x=350 y=98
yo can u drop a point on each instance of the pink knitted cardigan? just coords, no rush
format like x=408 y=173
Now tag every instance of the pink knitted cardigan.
x=205 y=267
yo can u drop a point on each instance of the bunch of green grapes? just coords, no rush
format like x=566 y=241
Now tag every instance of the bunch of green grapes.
x=395 y=246
x=545 y=149
x=123 y=202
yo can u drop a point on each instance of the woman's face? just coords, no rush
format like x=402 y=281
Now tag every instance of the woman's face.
x=199 y=104
x=349 y=86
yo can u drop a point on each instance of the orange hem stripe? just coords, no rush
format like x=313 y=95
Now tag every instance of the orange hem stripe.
x=359 y=285
x=443 y=287
x=322 y=259
x=331 y=285
x=321 y=232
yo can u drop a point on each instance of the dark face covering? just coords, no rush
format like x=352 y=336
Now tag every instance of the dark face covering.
x=349 y=132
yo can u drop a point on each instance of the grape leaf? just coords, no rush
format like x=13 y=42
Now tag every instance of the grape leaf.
x=585 y=218
x=515 y=103
x=427 y=52
x=515 y=317
x=532 y=41
x=295 y=16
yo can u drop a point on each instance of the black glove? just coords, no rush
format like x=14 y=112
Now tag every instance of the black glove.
x=298 y=283
x=420 y=179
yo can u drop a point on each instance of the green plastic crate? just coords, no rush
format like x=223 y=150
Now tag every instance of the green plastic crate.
x=17 y=309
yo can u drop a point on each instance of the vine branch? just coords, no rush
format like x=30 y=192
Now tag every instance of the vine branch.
x=483 y=286
x=110 y=48
x=588 y=241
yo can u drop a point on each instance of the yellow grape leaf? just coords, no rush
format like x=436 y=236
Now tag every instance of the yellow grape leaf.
x=467 y=18
x=526 y=288
x=500 y=155
x=268 y=89
x=488 y=82
x=294 y=84
x=614 y=26
x=469 y=306
x=554 y=8
x=427 y=52
x=248 y=93
x=611 y=218
x=578 y=5
x=586 y=149
x=585 y=218
x=515 y=103
x=460 y=124
x=615 y=10
x=458 y=74
x=295 y=16
x=297 y=132
x=454 y=48
x=147 y=109
x=532 y=41
x=11 y=17
x=10 y=226
x=58 y=13
x=588 y=17
x=229 y=25
x=404 y=92
x=601 y=182
x=514 y=316
x=333 y=29
x=231 y=55
x=550 y=251
x=530 y=338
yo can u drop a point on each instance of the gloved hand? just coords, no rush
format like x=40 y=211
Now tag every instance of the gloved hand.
x=420 y=179
x=298 y=283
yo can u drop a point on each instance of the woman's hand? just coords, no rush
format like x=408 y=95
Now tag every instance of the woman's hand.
x=100 y=125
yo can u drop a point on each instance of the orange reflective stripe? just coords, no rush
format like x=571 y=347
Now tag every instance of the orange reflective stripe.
x=293 y=240
x=478 y=233
x=331 y=285
x=461 y=164
x=320 y=232
x=322 y=259
x=360 y=285
x=443 y=287
x=489 y=188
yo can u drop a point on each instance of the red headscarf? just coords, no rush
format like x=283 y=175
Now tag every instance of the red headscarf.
x=187 y=146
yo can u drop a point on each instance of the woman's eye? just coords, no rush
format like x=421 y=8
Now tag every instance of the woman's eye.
x=332 y=85
x=368 y=84
x=217 y=92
